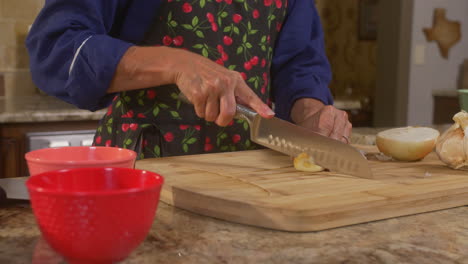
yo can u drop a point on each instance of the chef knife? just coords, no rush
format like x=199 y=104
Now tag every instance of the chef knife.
x=15 y=188
x=291 y=139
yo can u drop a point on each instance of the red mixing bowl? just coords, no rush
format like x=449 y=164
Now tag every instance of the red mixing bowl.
x=50 y=159
x=95 y=215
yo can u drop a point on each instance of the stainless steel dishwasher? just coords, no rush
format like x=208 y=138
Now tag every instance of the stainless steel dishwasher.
x=40 y=140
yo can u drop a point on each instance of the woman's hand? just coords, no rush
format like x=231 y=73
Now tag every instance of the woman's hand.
x=325 y=120
x=213 y=89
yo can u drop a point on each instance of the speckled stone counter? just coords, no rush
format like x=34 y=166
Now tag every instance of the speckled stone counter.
x=178 y=236
x=42 y=109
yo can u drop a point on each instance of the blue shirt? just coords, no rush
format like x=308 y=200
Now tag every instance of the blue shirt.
x=76 y=45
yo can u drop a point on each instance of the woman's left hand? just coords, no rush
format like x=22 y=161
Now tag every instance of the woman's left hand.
x=325 y=120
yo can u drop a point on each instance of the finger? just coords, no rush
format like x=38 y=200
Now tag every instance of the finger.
x=339 y=127
x=212 y=108
x=199 y=103
x=326 y=121
x=347 y=132
x=348 y=129
x=249 y=98
x=227 y=110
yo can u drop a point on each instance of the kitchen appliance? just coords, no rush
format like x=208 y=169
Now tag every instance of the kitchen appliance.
x=291 y=139
x=13 y=188
x=40 y=140
x=262 y=188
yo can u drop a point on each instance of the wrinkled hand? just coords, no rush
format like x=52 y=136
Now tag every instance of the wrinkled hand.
x=325 y=120
x=214 y=90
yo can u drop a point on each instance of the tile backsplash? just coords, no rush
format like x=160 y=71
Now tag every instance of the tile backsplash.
x=15 y=18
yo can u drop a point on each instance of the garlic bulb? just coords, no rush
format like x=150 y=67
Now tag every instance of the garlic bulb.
x=407 y=143
x=452 y=146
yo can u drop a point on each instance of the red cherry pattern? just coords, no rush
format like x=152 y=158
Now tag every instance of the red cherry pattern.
x=255 y=14
x=187 y=8
x=151 y=94
x=167 y=40
x=227 y=40
x=236 y=18
x=178 y=41
x=169 y=137
x=236 y=138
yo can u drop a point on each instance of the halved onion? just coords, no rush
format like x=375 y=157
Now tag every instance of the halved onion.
x=407 y=143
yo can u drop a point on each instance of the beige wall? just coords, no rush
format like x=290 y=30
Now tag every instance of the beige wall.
x=15 y=18
x=353 y=61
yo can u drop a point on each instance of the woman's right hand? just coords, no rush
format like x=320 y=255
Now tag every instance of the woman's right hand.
x=213 y=89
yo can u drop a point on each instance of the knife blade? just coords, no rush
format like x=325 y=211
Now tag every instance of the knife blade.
x=291 y=139
x=15 y=188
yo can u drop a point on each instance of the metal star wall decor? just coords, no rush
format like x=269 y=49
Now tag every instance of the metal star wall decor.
x=445 y=32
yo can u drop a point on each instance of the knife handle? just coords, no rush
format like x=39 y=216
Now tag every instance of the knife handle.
x=242 y=112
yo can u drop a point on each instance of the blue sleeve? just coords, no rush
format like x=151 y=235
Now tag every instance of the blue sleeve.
x=300 y=68
x=72 y=53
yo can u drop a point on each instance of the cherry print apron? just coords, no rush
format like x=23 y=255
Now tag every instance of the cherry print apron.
x=239 y=35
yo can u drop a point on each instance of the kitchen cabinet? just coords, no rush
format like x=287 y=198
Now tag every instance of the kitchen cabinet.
x=14 y=144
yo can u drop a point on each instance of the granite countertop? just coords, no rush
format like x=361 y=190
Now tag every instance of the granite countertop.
x=178 y=236
x=42 y=109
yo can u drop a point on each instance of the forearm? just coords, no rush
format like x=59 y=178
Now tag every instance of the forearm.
x=305 y=107
x=143 y=67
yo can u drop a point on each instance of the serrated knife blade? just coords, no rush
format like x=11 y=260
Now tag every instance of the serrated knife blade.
x=291 y=139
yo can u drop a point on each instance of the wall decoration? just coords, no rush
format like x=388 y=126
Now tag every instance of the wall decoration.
x=368 y=19
x=445 y=32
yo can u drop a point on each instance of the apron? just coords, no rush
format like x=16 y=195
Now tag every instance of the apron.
x=238 y=34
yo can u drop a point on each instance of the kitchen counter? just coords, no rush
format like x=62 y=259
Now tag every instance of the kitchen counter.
x=42 y=109
x=178 y=236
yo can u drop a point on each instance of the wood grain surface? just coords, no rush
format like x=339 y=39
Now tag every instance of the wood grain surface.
x=262 y=188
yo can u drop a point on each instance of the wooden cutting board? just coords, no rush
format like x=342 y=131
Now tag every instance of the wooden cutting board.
x=262 y=188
